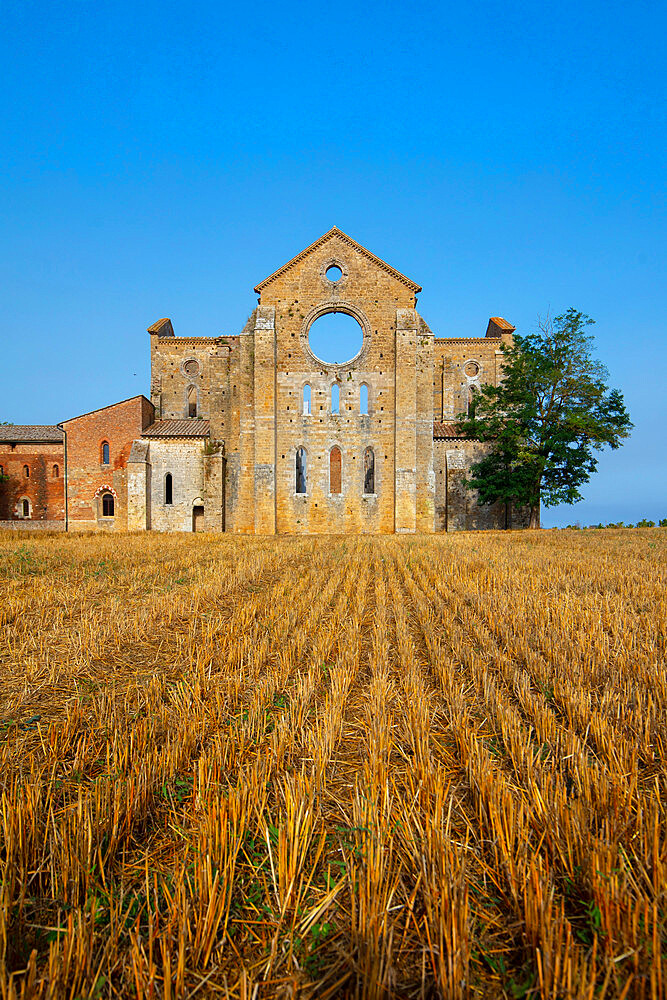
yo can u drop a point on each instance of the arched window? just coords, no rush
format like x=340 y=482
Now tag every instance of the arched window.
x=335 y=463
x=168 y=489
x=335 y=398
x=363 y=399
x=472 y=389
x=2 y=470
x=25 y=508
x=306 y=402
x=301 y=470
x=55 y=472
x=107 y=505
x=26 y=471
x=369 y=471
x=105 y=453
x=192 y=401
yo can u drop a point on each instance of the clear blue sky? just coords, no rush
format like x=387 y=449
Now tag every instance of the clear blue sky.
x=161 y=159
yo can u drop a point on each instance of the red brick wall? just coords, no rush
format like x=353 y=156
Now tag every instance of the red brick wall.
x=119 y=424
x=45 y=493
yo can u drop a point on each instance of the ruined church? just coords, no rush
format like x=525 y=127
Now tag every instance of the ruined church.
x=254 y=433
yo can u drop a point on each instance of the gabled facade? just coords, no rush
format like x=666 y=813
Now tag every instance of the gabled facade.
x=292 y=464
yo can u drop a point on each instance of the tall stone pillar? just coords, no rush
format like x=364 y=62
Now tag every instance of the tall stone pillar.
x=214 y=490
x=265 y=421
x=405 y=495
x=139 y=487
x=425 y=483
x=245 y=499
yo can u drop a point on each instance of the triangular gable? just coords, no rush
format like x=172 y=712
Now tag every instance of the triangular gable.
x=355 y=246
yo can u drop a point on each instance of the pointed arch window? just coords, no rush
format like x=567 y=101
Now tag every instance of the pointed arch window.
x=26 y=471
x=105 y=453
x=363 y=399
x=25 y=508
x=306 y=402
x=335 y=398
x=335 y=470
x=192 y=401
x=55 y=472
x=369 y=471
x=168 y=489
x=107 y=505
x=301 y=470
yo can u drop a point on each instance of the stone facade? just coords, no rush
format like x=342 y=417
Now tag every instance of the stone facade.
x=250 y=388
x=242 y=433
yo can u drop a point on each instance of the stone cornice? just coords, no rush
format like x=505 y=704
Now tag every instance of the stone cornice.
x=468 y=340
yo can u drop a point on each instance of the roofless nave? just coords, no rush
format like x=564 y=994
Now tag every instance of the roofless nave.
x=254 y=433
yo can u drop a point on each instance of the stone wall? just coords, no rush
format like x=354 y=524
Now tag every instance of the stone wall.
x=299 y=294
x=456 y=507
x=184 y=459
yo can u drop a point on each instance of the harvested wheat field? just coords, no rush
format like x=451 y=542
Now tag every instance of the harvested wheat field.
x=334 y=767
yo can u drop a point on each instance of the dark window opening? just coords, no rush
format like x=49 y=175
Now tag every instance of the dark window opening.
x=335 y=463
x=25 y=507
x=192 y=401
x=369 y=471
x=105 y=453
x=26 y=471
x=301 y=472
x=107 y=505
x=168 y=489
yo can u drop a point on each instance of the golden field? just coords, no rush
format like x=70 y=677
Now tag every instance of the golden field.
x=334 y=767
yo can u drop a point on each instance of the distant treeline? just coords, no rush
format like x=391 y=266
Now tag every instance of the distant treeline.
x=644 y=523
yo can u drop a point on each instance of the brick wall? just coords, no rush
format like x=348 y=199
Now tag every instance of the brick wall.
x=42 y=488
x=88 y=477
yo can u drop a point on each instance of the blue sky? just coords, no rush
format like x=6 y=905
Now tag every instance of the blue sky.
x=161 y=159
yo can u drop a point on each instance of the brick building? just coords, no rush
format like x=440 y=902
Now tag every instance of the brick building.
x=97 y=447
x=32 y=475
x=254 y=433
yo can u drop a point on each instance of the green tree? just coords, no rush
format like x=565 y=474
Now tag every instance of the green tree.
x=546 y=419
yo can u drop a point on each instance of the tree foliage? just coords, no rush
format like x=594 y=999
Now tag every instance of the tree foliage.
x=545 y=421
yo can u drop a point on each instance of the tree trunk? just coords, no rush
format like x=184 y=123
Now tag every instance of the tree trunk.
x=534 y=515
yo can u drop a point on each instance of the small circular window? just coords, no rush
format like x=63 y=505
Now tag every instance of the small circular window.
x=334 y=273
x=472 y=369
x=191 y=367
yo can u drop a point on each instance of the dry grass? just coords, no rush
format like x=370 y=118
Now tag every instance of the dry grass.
x=246 y=767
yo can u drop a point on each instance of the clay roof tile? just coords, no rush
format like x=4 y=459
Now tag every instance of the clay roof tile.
x=191 y=427
x=34 y=433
